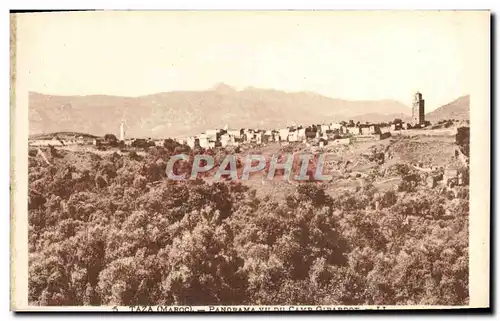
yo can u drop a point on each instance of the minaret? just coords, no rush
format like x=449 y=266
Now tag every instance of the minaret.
x=122 y=131
x=418 y=109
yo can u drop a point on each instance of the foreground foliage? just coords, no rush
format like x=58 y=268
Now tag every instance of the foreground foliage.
x=120 y=234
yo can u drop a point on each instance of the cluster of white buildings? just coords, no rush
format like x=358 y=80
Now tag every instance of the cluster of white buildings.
x=322 y=134
x=316 y=134
x=227 y=137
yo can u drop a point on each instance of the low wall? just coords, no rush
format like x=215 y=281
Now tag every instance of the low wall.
x=340 y=141
x=364 y=138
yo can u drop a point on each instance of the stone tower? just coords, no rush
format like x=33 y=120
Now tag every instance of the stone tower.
x=122 y=131
x=418 y=109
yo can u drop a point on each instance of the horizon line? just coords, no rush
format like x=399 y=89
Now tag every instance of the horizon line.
x=214 y=89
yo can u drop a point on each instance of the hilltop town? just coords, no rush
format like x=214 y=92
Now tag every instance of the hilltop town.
x=333 y=133
x=361 y=139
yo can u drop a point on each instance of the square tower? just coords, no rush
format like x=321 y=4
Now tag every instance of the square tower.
x=418 y=109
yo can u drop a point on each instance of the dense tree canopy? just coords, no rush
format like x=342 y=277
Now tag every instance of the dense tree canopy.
x=119 y=233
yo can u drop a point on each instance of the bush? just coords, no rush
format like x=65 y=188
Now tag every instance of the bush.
x=406 y=186
x=133 y=155
x=389 y=199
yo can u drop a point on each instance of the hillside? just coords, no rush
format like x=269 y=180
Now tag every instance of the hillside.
x=189 y=112
x=458 y=109
x=62 y=135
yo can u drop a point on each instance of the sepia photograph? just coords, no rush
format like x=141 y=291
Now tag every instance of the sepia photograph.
x=221 y=161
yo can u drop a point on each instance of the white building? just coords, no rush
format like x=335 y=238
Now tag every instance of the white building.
x=258 y=138
x=270 y=136
x=353 y=130
x=227 y=140
x=293 y=136
x=236 y=133
x=204 y=142
x=324 y=128
x=385 y=129
x=211 y=134
x=284 y=134
x=365 y=131
x=191 y=141
x=301 y=134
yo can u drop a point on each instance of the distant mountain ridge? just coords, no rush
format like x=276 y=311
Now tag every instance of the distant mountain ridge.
x=458 y=109
x=182 y=113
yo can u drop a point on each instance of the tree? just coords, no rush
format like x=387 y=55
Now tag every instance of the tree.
x=462 y=139
x=170 y=144
x=111 y=139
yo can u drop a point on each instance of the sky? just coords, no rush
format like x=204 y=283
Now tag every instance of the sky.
x=347 y=55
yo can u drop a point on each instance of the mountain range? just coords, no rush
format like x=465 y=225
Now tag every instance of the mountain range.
x=458 y=109
x=182 y=113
